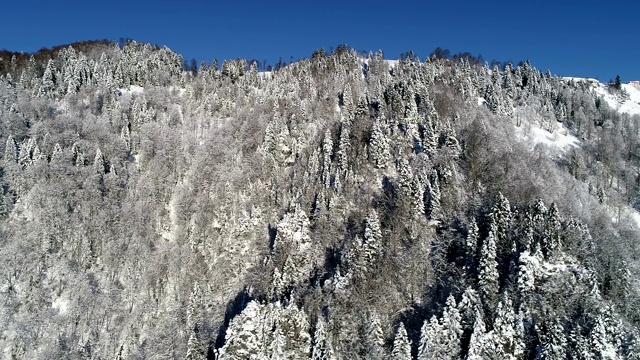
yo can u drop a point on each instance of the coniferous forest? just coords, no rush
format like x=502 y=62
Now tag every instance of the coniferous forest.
x=339 y=207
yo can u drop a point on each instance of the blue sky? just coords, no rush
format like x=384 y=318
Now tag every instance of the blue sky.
x=571 y=38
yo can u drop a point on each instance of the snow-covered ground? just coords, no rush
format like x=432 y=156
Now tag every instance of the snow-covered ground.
x=133 y=89
x=559 y=138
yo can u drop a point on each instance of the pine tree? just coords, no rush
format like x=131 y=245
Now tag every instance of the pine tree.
x=344 y=146
x=379 y=150
x=194 y=348
x=471 y=243
x=26 y=152
x=327 y=152
x=374 y=338
x=244 y=337
x=99 y=163
x=501 y=220
x=277 y=346
x=194 y=310
x=618 y=83
x=506 y=337
x=48 y=82
x=57 y=154
x=322 y=349
x=431 y=338
x=432 y=194
x=469 y=306
x=401 y=345
x=554 y=343
x=452 y=330
x=372 y=246
x=488 y=276
x=553 y=231
x=478 y=341
x=10 y=152
x=527 y=269
x=602 y=340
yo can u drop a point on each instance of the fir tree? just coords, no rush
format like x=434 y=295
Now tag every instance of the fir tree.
x=379 y=151
x=488 y=276
x=48 y=82
x=99 y=163
x=554 y=343
x=374 y=338
x=478 y=342
x=471 y=243
x=322 y=349
x=10 y=152
x=452 y=330
x=431 y=337
x=401 y=345
x=372 y=246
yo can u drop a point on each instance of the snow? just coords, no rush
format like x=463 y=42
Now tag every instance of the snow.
x=630 y=213
x=635 y=216
x=630 y=105
x=560 y=138
x=557 y=137
x=60 y=304
x=133 y=89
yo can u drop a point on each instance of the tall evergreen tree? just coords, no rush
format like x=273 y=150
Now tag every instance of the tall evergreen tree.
x=488 y=278
x=322 y=349
x=401 y=345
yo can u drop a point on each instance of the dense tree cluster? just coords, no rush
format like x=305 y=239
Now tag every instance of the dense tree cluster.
x=340 y=207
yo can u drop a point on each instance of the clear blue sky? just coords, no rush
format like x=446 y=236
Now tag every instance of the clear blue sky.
x=571 y=38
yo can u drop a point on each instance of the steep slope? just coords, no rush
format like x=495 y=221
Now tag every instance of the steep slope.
x=334 y=208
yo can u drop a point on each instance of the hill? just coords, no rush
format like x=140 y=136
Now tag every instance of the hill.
x=334 y=208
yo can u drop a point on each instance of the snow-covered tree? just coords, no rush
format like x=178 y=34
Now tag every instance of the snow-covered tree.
x=10 y=152
x=431 y=338
x=374 y=338
x=507 y=338
x=379 y=150
x=99 y=163
x=471 y=243
x=488 y=277
x=322 y=349
x=479 y=339
x=48 y=83
x=553 y=342
x=401 y=345
x=432 y=195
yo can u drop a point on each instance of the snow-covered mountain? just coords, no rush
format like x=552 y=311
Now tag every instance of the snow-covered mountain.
x=338 y=207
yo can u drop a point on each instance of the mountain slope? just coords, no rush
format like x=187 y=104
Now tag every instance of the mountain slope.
x=334 y=208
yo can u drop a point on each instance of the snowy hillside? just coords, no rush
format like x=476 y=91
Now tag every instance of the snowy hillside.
x=625 y=104
x=335 y=208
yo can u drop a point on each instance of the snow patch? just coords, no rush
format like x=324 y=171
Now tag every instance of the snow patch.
x=558 y=137
x=61 y=304
x=133 y=89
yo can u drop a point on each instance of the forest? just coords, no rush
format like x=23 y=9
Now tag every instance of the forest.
x=339 y=207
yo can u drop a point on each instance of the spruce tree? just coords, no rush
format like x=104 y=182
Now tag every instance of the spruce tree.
x=401 y=345
x=379 y=150
x=478 y=342
x=488 y=278
x=374 y=338
x=322 y=349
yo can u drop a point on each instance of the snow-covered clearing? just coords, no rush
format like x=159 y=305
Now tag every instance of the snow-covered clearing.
x=133 y=89
x=560 y=137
